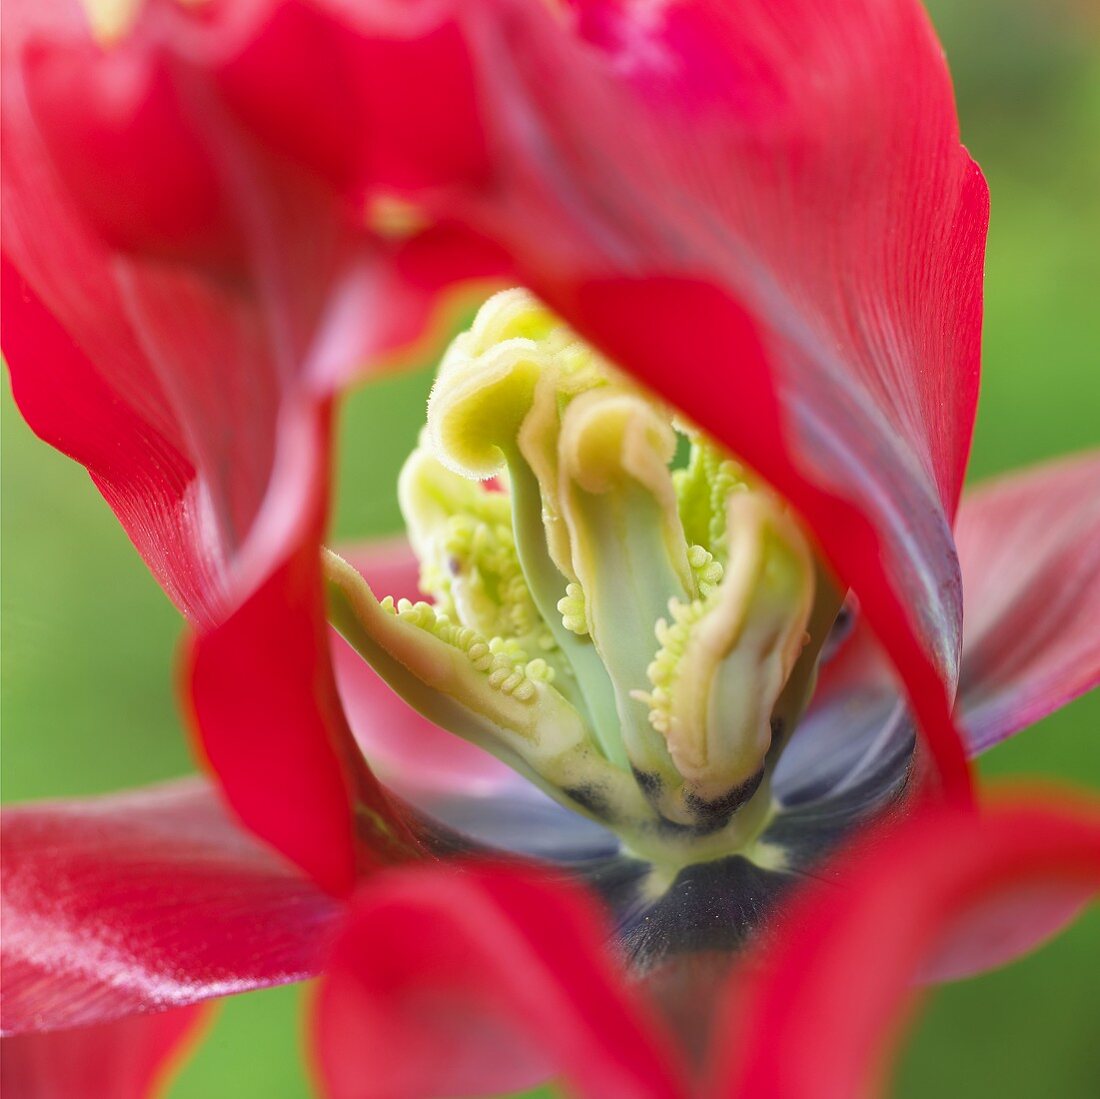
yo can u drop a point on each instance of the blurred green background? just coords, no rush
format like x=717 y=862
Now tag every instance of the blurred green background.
x=89 y=640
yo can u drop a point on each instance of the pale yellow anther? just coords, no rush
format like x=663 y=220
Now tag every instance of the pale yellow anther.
x=483 y=691
x=724 y=659
x=111 y=20
x=703 y=488
x=394 y=218
x=430 y=495
x=571 y=606
x=706 y=569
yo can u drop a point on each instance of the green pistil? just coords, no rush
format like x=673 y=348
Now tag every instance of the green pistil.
x=628 y=550
x=548 y=588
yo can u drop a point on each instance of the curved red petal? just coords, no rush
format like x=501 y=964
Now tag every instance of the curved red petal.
x=128 y=1058
x=902 y=897
x=270 y=722
x=764 y=212
x=1029 y=544
x=144 y=901
x=805 y=158
x=172 y=360
x=470 y=980
x=404 y=748
x=179 y=301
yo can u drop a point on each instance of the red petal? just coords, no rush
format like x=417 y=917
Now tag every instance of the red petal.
x=779 y=192
x=406 y=749
x=368 y=95
x=126 y=1059
x=272 y=727
x=210 y=382
x=143 y=901
x=191 y=375
x=1030 y=551
x=903 y=897
x=765 y=213
x=131 y=160
x=473 y=980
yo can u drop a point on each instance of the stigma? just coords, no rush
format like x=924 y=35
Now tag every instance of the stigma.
x=613 y=605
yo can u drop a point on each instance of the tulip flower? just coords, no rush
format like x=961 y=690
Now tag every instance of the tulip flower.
x=750 y=234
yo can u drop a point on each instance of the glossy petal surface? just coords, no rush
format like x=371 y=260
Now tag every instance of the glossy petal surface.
x=145 y=901
x=900 y=900
x=1030 y=550
x=468 y=981
x=141 y=348
x=126 y=1059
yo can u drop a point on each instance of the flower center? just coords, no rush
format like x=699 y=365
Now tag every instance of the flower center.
x=637 y=637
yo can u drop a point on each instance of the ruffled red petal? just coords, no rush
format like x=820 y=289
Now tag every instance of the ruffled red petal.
x=473 y=980
x=144 y=901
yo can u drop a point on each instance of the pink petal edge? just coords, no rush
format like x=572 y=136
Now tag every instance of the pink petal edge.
x=1029 y=544
x=143 y=901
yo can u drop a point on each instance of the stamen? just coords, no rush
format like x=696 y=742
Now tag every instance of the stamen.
x=110 y=20
x=706 y=570
x=462 y=534
x=497 y=403
x=628 y=547
x=574 y=613
x=628 y=636
x=480 y=691
x=725 y=659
